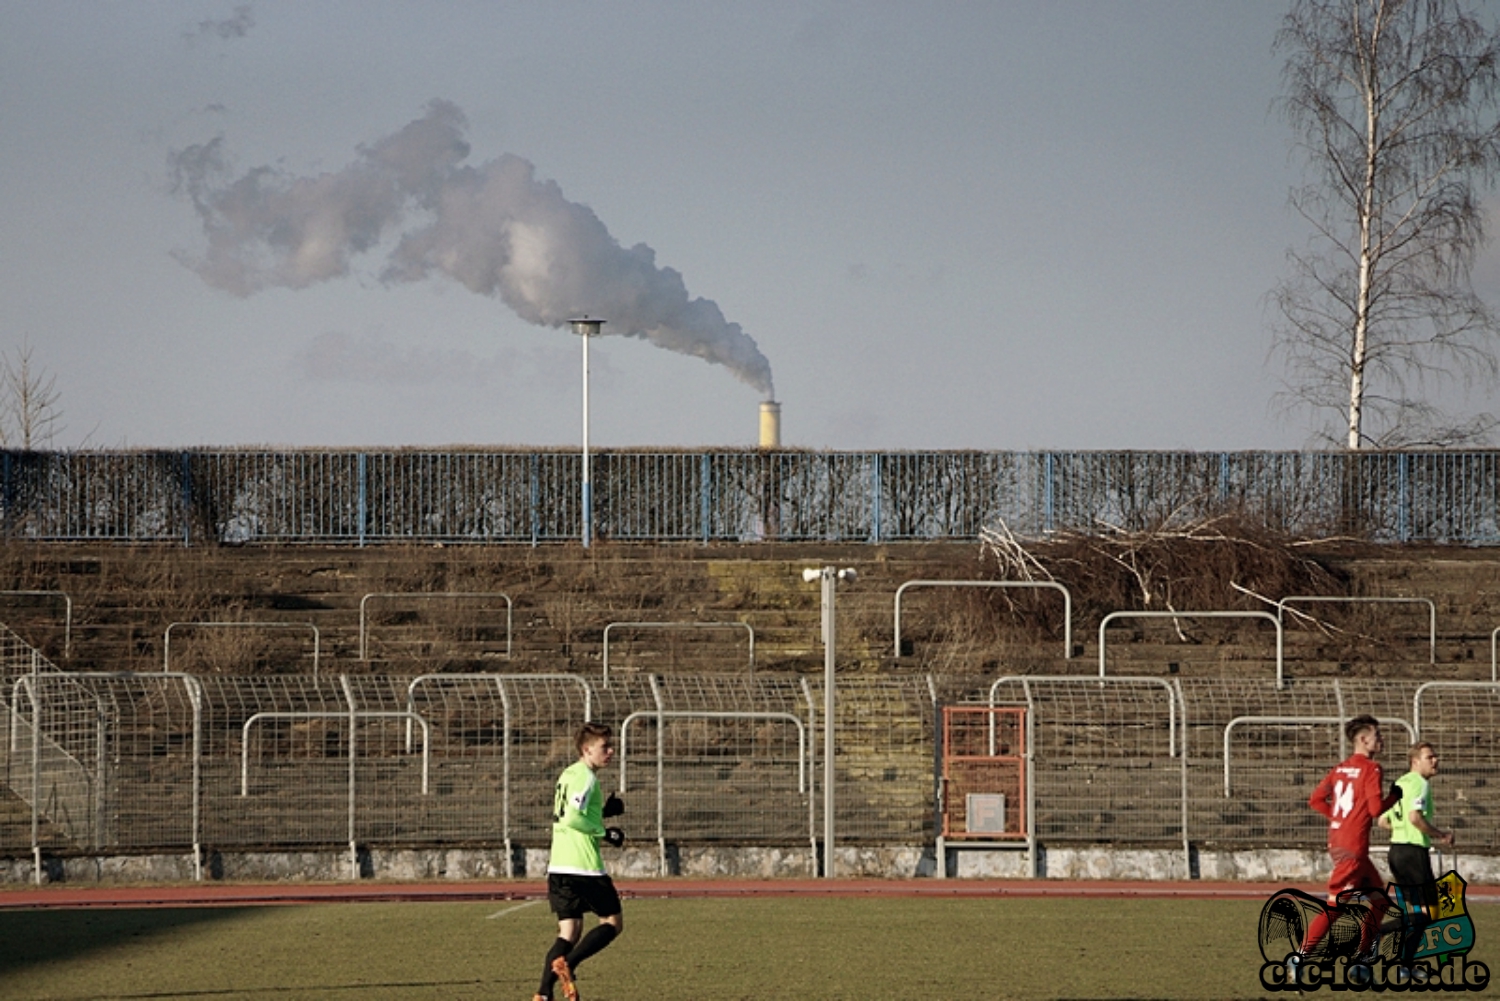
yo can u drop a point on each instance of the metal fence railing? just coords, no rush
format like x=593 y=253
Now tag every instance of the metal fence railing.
x=155 y=762
x=241 y=496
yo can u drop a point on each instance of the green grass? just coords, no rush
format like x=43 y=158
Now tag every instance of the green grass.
x=701 y=949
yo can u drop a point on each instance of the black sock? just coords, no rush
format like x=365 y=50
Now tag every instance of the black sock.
x=560 y=947
x=593 y=942
x=1419 y=924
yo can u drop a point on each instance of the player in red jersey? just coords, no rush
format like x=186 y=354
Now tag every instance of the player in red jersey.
x=1351 y=796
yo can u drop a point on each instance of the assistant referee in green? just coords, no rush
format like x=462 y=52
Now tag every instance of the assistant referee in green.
x=1412 y=832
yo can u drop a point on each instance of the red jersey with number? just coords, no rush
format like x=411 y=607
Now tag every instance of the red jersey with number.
x=1351 y=797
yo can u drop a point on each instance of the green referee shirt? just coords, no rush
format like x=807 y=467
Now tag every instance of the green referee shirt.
x=1415 y=796
x=577 y=823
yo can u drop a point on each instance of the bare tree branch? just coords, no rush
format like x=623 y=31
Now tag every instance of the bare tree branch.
x=1394 y=105
x=29 y=414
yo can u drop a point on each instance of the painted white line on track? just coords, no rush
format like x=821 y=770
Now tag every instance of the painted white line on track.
x=509 y=910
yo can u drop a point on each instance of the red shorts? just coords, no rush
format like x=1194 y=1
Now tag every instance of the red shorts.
x=1352 y=872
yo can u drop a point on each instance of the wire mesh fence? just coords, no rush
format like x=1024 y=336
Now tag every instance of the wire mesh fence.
x=55 y=758
x=148 y=762
x=532 y=497
x=1273 y=746
x=1108 y=763
x=1245 y=757
x=704 y=755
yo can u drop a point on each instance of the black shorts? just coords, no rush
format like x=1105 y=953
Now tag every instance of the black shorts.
x=1411 y=869
x=574 y=896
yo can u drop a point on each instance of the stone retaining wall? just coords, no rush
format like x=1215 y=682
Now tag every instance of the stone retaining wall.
x=706 y=862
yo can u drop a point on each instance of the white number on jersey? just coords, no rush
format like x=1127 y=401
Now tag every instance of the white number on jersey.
x=1343 y=798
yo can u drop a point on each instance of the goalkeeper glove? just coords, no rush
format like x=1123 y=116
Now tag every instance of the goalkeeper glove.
x=614 y=837
x=1395 y=792
x=614 y=806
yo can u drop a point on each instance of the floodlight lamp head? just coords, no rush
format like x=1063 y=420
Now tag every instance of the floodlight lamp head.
x=811 y=574
x=584 y=326
x=849 y=573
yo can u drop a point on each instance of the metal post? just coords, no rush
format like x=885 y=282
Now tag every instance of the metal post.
x=661 y=796
x=363 y=512
x=705 y=477
x=505 y=768
x=36 y=774
x=829 y=658
x=588 y=486
x=1048 y=492
x=353 y=721
x=1403 y=504
x=586 y=328
x=829 y=576
x=186 y=476
x=195 y=696
x=536 y=487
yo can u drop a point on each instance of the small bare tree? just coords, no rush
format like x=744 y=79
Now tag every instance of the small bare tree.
x=29 y=414
x=1393 y=102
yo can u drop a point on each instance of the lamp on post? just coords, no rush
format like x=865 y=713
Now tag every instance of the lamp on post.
x=586 y=328
x=830 y=577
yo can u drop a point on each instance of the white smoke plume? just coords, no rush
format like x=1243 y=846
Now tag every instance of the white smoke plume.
x=226 y=28
x=494 y=227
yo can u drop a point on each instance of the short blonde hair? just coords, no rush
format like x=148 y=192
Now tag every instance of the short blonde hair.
x=590 y=732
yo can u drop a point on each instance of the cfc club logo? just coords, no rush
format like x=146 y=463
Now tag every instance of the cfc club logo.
x=1415 y=948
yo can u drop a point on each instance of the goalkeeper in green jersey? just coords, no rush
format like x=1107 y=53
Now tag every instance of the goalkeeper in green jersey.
x=576 y=880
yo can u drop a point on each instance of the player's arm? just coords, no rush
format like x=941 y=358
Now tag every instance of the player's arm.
x=1322 y=797
x=572 y=811
x=1387 y=820
x=1418 y=820
x=1371 y=795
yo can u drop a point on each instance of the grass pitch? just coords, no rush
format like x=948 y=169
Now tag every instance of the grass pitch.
x=702 y=949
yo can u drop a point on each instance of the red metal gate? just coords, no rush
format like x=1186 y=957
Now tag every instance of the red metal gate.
x=982 y=795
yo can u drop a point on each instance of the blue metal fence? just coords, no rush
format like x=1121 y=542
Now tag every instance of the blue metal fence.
x=533 y=497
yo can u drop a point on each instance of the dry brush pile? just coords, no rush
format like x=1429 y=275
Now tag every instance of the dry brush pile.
x=1217 y=564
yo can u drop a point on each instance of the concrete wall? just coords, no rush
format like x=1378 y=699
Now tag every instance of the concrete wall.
x=704 y=862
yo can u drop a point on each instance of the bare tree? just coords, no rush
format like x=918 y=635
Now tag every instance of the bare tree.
x=1393 y=102
x=29 y=414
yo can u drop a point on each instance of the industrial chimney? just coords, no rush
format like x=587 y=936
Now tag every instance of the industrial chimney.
x=770 y=424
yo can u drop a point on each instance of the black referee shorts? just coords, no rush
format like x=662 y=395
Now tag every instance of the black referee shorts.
x=573 y=896
x=1411 y=869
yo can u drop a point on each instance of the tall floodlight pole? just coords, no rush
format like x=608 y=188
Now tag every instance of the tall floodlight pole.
x=586 y=328
x=830 y=578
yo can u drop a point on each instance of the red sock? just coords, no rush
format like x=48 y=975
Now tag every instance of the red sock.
x=1316 y=930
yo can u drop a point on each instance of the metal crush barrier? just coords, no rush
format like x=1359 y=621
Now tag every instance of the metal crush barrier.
x=1107 y=760
x=734 y=769
x=115 y=763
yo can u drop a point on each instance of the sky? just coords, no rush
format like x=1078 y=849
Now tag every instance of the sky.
x=997 y=225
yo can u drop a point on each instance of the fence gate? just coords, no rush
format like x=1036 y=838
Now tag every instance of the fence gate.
x=984 y=789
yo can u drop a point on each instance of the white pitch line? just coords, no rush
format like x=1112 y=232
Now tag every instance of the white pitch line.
x=508 y=910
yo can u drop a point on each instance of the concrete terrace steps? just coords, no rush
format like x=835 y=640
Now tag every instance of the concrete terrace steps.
x=125 y=596
x=561 y=606
x=15 y=824
x=122 y=627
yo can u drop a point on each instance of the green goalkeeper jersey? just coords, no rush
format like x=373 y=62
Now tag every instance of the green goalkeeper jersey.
x=1415 y=797
x=577 y=823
